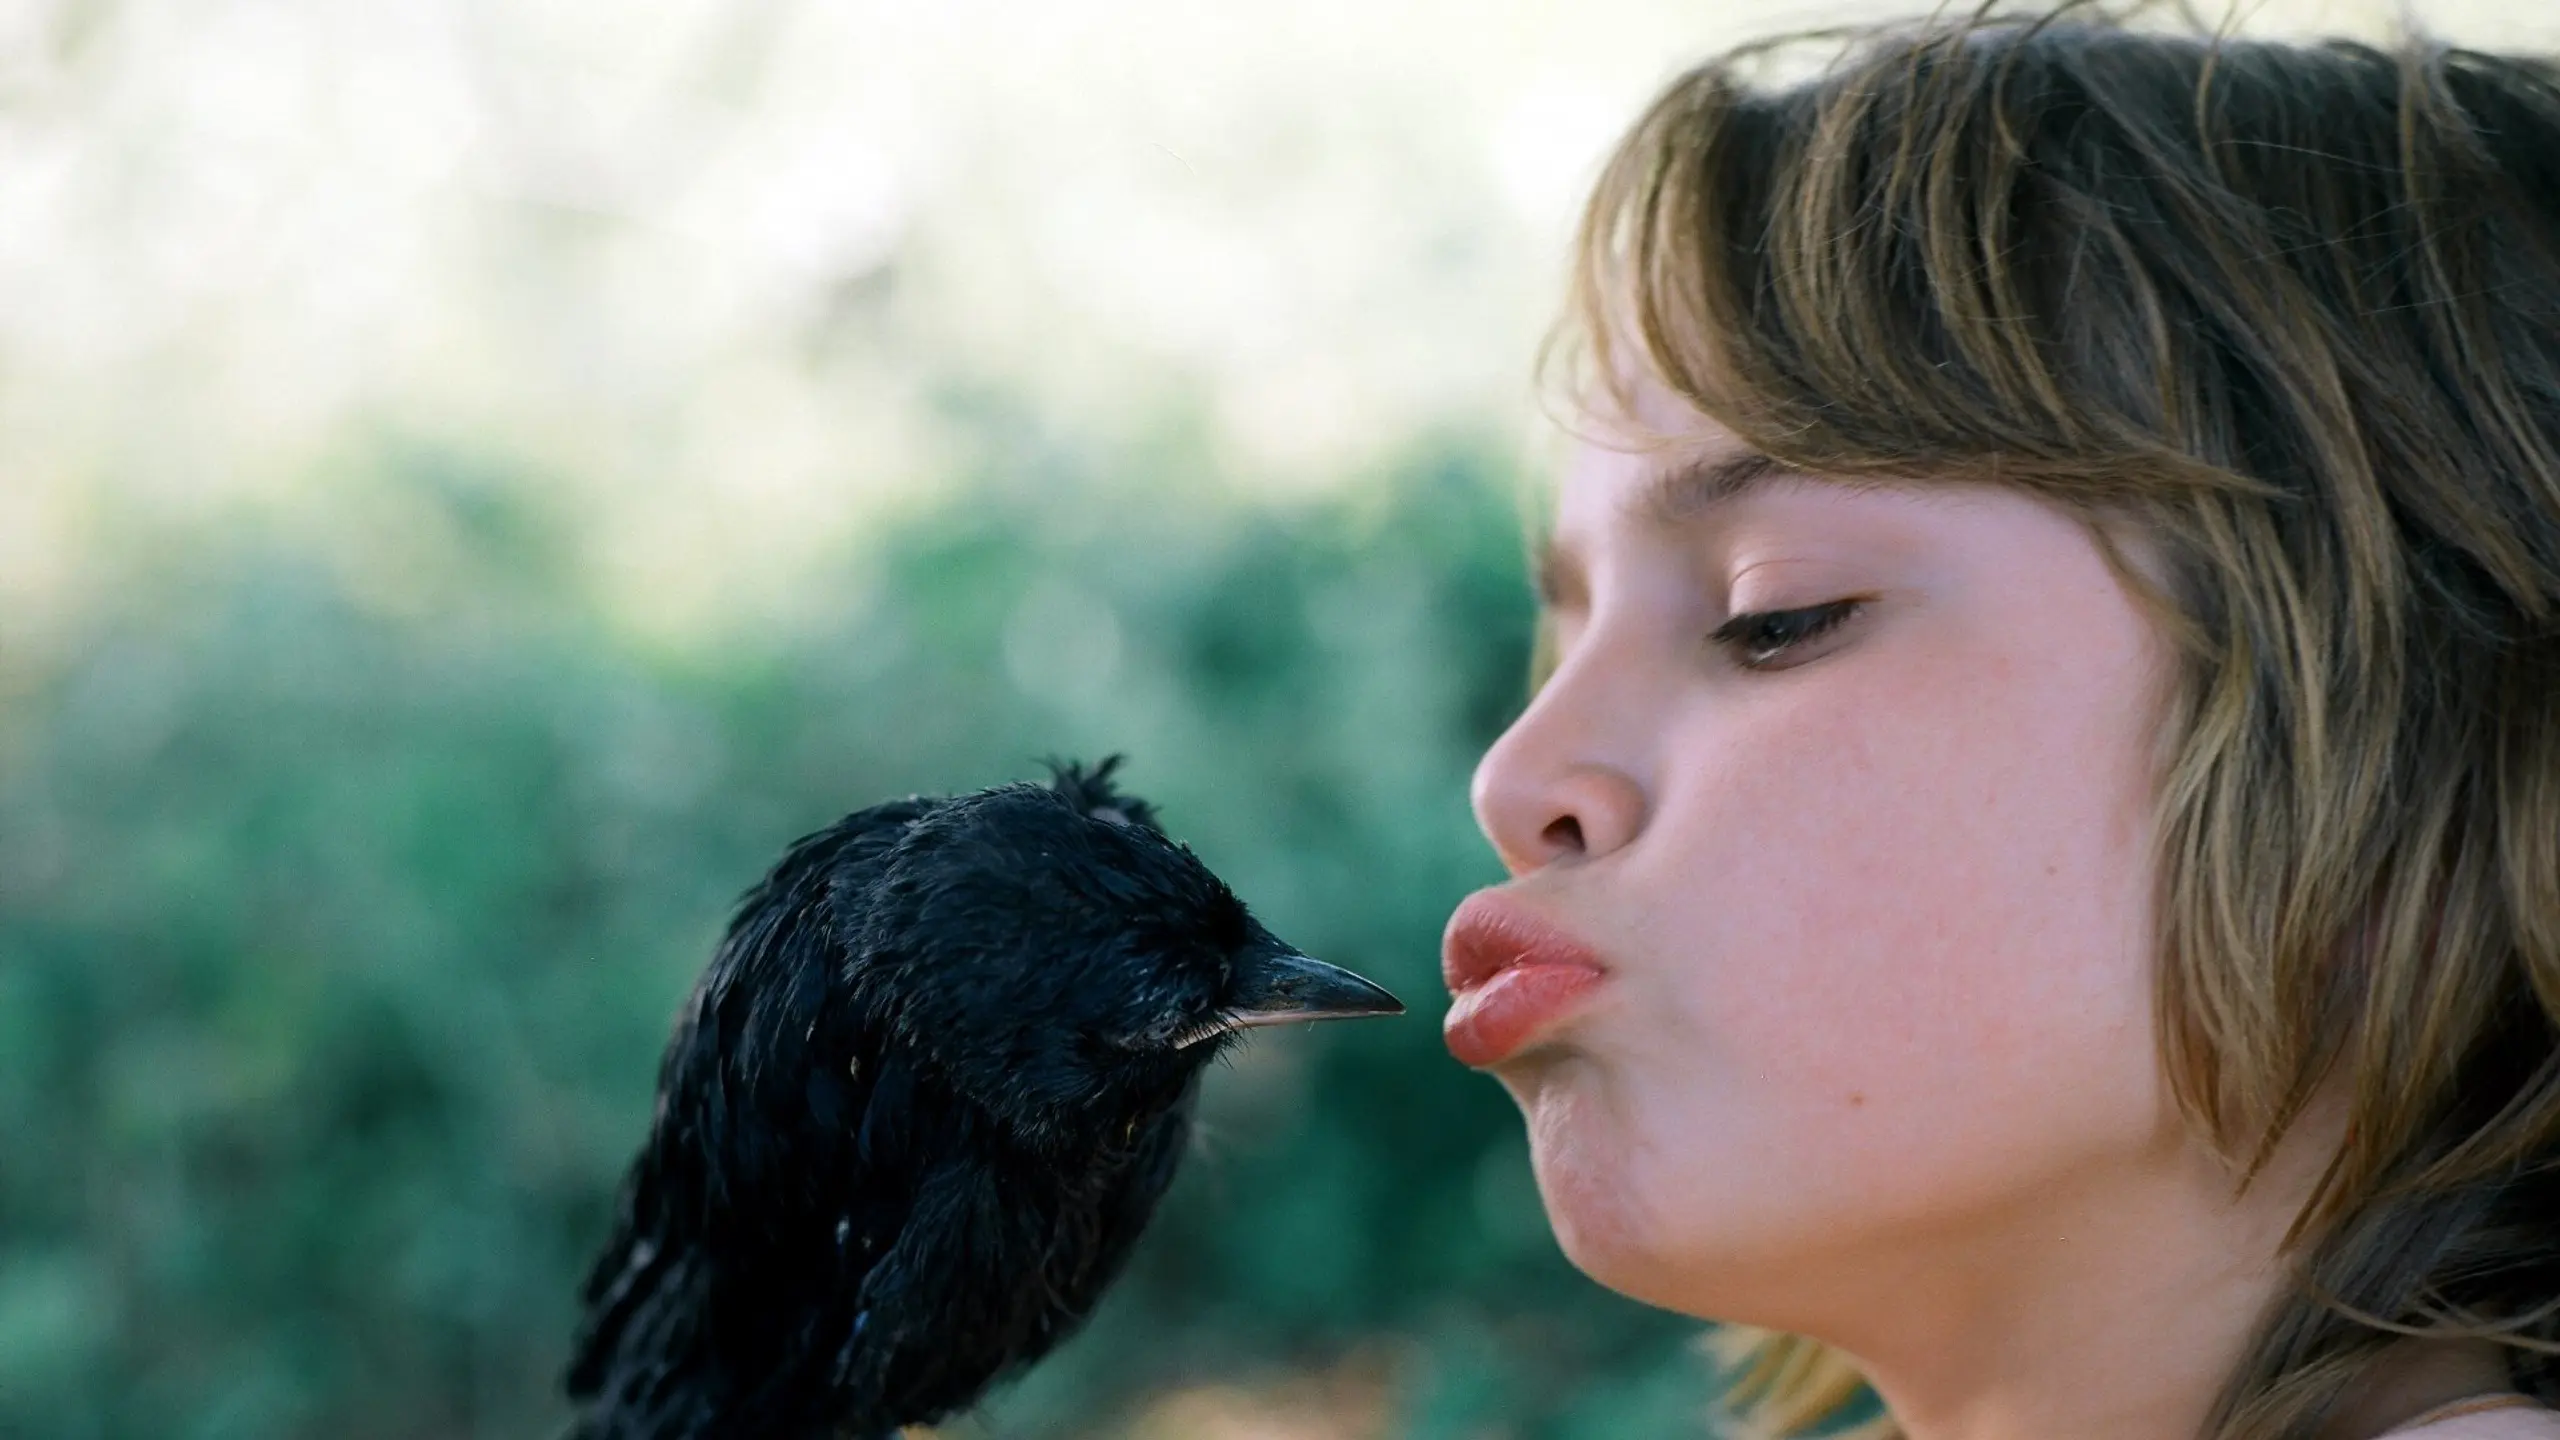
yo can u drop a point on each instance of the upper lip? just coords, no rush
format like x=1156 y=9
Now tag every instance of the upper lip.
x=1490 y=932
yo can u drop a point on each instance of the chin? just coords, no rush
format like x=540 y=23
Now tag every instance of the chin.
x=1616 y=1237
x=1587 y=1171
x=1667 y=1237
x=1607 y=1233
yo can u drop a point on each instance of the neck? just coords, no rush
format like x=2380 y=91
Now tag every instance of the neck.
x=2110 y=1306
x=2103 y=1320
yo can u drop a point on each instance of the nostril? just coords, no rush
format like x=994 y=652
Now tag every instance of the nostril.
x=1563 y=833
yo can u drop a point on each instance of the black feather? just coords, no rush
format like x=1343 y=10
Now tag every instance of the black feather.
x=915 y=1114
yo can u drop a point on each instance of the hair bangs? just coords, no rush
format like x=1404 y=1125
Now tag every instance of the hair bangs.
x=1896 y=268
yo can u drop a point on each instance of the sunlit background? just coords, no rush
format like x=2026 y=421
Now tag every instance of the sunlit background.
x=478 y=476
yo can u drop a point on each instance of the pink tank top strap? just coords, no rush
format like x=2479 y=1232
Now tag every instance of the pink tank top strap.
x=2469 y=1405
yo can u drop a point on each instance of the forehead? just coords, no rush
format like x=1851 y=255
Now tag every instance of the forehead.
x=1615 y=488
x=1658 y=482
x=1687 y=479
x=1651 y=477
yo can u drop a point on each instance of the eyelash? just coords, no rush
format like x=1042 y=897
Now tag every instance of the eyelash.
x=1801 y=626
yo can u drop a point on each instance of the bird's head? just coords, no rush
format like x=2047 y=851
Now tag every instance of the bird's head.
x=1058 y=959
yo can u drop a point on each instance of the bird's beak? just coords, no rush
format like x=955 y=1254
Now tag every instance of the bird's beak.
x=1281 y=987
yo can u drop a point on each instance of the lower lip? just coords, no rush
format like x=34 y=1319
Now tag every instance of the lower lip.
x=1504 y=1015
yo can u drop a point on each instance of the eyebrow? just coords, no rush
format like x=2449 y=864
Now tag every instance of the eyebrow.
x=1667 y=500
x=1678 y=494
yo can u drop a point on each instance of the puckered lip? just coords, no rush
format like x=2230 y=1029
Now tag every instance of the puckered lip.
x=1492 y=931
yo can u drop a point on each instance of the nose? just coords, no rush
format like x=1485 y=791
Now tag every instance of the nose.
x=1559 y=785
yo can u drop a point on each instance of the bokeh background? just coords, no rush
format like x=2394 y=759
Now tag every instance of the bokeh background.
x=478 y=476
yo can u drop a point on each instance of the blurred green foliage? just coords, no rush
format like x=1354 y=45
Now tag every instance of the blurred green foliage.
x=338 y=938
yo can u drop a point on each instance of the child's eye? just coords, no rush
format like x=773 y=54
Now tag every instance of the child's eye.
x=1760 y=636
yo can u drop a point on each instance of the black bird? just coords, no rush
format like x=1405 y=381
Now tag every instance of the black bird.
x=918 y=1109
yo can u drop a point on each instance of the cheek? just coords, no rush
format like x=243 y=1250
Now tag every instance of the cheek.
x=1897 y=969
x=1915 y=862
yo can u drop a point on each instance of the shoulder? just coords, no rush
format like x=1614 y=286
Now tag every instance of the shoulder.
x=2511 y=1424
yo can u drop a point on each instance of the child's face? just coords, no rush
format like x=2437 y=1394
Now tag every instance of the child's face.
x=1876 y=919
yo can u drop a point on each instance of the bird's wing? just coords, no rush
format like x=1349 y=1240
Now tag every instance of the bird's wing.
x=932 y=1327
x=991 y=1270
x=632 y=1372
x=766 y=1054
x=742 y=1138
